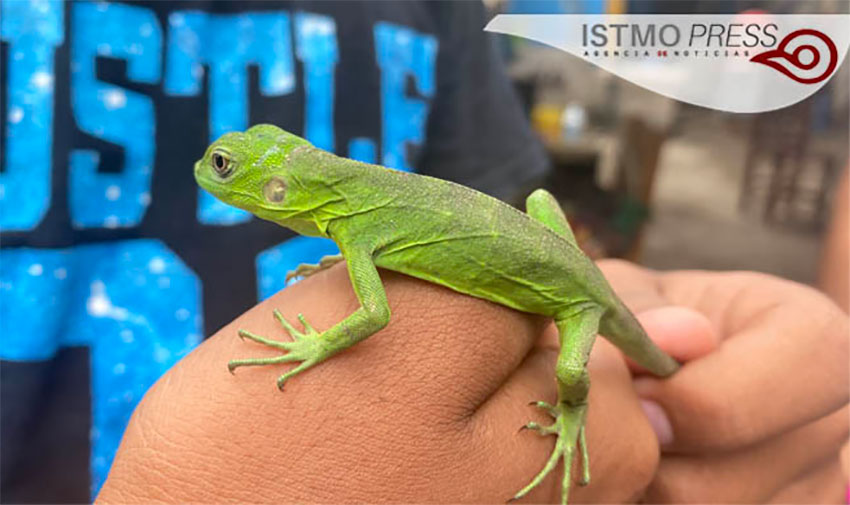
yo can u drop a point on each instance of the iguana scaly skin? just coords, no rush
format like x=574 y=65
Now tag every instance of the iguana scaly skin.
x=438 y=231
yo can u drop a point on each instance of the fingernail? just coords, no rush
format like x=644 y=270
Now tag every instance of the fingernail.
x=659 y=421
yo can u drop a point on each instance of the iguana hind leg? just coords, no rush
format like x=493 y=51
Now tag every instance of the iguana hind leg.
x=542 y=206
x=577 y=332
x=308 y=269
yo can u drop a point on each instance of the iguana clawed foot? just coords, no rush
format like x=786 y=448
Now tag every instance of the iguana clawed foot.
x=307 y=269
x=306 y=347
x=569 y=428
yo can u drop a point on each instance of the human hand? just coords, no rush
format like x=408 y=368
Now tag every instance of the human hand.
x=427 y=410
x=762 y=417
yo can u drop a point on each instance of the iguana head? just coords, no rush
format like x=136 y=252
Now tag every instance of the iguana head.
x=253 y=170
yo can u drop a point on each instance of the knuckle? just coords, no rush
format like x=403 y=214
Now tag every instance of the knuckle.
x=711 y=420
x=642 y=474
x=676 y=483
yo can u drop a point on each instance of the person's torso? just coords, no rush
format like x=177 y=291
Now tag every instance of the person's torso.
x=108 y=245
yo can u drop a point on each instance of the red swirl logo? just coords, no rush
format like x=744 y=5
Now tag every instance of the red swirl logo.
x=807 y=56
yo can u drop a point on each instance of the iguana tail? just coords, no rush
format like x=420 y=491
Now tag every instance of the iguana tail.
x=622 y=329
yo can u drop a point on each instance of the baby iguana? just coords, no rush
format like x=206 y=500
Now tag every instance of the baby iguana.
x=438 y=231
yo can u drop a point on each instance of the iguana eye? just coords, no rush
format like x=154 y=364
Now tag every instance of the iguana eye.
x=221 y=164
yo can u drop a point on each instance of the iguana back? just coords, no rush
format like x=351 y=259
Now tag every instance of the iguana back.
x=460 y=238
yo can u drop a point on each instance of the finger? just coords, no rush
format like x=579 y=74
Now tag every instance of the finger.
x=616 y=430
x=845 y=459
x=501 y=418
x=681 y=332
x=753 y=474
x=823 y=485
x=684 y=334
x=785 y=367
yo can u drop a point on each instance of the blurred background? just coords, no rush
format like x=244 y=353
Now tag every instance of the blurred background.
x=670 y=185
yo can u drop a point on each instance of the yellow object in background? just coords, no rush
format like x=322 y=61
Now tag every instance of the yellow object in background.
x=546 y=120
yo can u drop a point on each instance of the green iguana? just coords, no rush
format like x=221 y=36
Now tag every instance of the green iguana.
x=434 y=230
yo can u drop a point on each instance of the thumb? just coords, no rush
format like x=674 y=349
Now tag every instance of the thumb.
x=683 y=333
x=686 y=335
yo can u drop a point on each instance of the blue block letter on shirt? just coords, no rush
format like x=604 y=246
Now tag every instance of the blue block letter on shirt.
x=33 y=30
x=134 y=304
x=402 y=52
x=112 y=113
x=316 y=47
x=227 y=44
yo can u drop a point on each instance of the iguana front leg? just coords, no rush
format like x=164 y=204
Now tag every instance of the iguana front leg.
x=307 y=269
x=311 y=347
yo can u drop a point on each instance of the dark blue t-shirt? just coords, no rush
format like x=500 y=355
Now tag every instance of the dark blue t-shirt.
x=114 y=264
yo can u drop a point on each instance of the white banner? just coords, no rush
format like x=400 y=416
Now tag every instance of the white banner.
x=736 y=63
